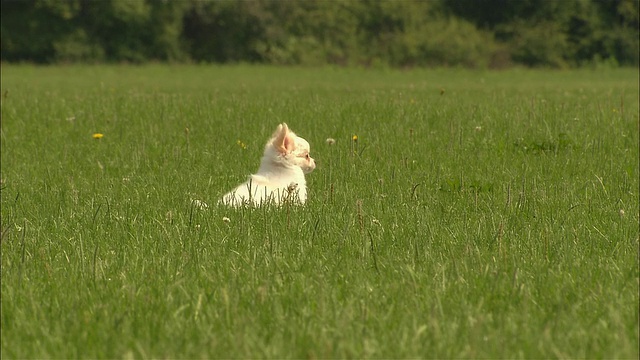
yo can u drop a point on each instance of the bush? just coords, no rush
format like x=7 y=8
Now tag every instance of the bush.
x=541 y=45
x=77 y=47
x=453 y=42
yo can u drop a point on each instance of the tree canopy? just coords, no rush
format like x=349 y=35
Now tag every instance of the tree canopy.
x=469 y=33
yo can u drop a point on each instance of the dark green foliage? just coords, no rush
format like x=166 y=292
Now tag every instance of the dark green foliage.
x=223 y=31
x=29 y=29
x=558 y=33
x=469 y=33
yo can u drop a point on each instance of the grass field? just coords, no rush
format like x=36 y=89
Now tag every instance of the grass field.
x=478 y=214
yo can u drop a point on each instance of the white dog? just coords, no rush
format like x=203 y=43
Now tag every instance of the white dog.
x=280 y=177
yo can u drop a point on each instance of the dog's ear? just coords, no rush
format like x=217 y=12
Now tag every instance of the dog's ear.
x=283 y=139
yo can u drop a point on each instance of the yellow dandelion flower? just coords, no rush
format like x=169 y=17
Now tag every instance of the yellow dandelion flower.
x=98 y=136
x=354 y=144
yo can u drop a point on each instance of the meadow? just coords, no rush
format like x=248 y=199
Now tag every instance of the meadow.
x=459 y=214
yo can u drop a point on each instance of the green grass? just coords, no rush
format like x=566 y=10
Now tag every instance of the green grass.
x=479 y=214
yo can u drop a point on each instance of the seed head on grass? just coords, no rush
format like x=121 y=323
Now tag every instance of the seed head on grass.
x=199 y=204
x=241 y=144
x=360 y=214
x=330 y=142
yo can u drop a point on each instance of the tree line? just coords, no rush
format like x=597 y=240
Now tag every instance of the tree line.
x=397 y=33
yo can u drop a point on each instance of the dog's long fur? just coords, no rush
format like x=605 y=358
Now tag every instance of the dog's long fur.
x=280 y=177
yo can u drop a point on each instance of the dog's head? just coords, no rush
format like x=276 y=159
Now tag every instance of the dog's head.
x=291 y=149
